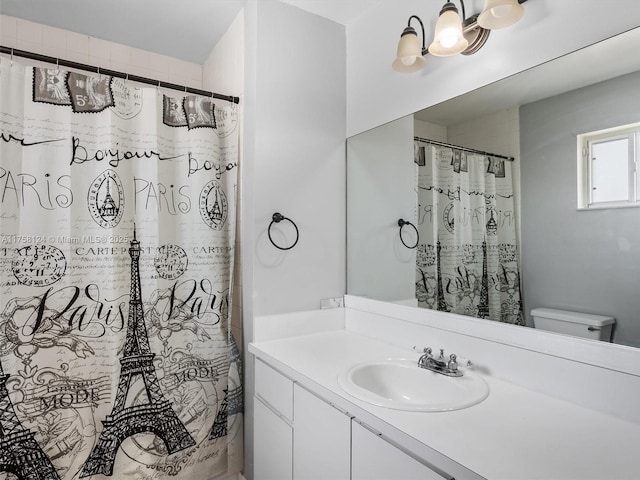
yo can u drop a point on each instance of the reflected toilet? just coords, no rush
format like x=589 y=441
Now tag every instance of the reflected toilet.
x=585 y=325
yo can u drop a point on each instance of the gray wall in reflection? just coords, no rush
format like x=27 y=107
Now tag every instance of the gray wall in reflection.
x=585 y=261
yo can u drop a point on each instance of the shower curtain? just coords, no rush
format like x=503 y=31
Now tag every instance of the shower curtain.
x=467 y=256
x=118 y=208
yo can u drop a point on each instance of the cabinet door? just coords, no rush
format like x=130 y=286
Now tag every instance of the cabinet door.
x=321 y=439
x=372 y=458
x=272 y=444
x=274 y=389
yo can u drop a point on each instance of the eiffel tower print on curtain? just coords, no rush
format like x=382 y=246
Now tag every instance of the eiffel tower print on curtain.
x=20 y=454
x=233 y=402
x=156 y=416
x=441 y=302
x=483 y=305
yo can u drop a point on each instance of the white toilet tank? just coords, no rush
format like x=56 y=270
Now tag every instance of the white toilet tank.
x=596 y=327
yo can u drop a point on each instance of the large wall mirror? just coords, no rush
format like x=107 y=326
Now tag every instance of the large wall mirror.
x=584 y=260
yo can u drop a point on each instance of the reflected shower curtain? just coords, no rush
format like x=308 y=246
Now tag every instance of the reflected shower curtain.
x=116 y=257
x=467 y=257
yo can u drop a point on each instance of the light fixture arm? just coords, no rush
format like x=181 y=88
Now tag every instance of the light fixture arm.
x=424 y=48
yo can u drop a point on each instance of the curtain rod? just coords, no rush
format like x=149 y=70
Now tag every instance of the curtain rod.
x=466 y=149
x=112 y=73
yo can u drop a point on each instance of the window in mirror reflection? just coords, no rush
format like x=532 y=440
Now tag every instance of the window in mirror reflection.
x=607 y=168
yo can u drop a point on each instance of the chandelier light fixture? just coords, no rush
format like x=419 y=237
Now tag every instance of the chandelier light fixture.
x=455 y=34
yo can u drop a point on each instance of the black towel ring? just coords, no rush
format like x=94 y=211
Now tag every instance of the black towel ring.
x=277 y=218
x=402 y=223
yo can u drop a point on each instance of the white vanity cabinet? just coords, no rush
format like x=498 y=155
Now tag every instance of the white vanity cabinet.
x=297 y=435
x=273 y=419
x=373 y=458
x=321 y=438
x=301 y=436
x=273 y=440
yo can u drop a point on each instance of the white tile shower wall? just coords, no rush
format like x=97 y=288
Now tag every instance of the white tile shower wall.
x=430 y=131
x=67 y=45
x=497 y=133
x=223 y=71
x=8 y=31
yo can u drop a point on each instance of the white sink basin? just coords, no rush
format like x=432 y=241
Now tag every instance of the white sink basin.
x=401 y=385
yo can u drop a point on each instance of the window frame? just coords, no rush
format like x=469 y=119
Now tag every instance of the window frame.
x=585 y=143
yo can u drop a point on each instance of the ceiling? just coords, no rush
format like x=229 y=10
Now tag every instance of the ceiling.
x=340 y=11
x=188 y=33
x=604 y=60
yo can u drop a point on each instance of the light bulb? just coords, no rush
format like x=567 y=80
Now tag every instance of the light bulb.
x=410 y=60
x=448 y=38
x=410 y=54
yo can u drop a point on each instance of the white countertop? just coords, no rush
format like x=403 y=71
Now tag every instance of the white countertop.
x=514 y=434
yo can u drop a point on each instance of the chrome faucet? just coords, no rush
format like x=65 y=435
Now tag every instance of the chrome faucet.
x=441 y=364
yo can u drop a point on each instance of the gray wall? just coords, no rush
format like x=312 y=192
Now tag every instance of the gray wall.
x=585 y=261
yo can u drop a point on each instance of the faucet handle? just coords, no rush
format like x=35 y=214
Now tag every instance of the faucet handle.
x=422 y=349
x=424 y=358
x=464 y=362
x=452 y=364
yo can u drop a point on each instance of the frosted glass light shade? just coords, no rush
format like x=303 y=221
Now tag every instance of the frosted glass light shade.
x=409 y=58
x=500 y=13
x=448 y=39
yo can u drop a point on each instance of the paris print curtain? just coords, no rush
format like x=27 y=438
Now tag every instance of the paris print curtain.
x=467 y=257
x=116 y=255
